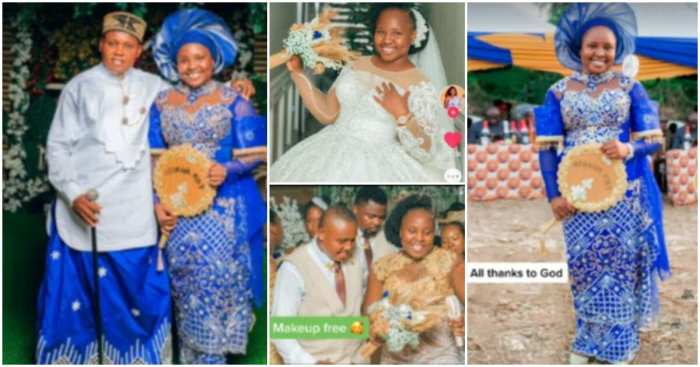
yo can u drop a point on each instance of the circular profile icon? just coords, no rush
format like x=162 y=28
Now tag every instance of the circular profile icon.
x=452 y=99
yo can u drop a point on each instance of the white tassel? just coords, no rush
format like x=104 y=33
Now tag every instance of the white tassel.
x=160 y=266
x=454 y=312
x=630 y=66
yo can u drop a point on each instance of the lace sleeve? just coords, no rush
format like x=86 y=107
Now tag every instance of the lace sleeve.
x=323 y=106
x=417 y=134
x=644 y=117
x=549 y=126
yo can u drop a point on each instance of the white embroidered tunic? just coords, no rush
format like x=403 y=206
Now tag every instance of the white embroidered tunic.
x=98 y=140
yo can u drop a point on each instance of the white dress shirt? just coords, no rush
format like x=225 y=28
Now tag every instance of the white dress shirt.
x=91 y=147
x=289 y=293
x=379 y=245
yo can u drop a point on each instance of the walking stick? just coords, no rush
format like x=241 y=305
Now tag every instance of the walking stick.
x=97 y=315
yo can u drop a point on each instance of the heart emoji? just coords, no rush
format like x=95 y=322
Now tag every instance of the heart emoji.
x=453 y=112
x=453 y=139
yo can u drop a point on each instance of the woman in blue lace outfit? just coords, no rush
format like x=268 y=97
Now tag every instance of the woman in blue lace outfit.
x=614 y=256
x=215 y=257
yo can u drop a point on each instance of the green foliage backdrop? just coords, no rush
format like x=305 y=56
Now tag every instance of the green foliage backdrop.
x=519 y=85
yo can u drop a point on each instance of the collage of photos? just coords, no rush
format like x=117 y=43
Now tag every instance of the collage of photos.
x=350 y=183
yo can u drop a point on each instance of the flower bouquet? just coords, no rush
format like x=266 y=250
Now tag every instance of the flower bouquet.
x=317 y=43
x=292 y=223
x=399 y=325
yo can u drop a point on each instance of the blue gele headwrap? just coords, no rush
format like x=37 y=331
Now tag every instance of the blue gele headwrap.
x=579 y=18
x=193 y=26
x=194 y=36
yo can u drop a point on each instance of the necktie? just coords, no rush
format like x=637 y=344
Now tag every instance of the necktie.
x=339 y=281
x=368 y=252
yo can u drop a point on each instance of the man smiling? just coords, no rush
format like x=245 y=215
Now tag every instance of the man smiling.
x=321 y=278
x=98 y=143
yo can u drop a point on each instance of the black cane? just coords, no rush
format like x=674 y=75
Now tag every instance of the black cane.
x=92 y=196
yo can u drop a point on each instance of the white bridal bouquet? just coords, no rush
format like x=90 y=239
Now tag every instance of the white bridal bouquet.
x=399 y=325
x=317 y=43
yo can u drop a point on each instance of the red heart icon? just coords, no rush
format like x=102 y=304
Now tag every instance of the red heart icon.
x=453 y=112
x=453 y=139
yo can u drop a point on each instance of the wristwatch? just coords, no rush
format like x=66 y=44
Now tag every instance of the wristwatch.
x=403 y=120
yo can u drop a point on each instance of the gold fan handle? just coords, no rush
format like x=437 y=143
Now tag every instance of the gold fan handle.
x=279 y=59
x=543 y=231
x=161 y=245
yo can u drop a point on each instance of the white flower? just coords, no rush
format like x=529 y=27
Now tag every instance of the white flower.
x=55 y=255
x=292 y=222
x=17 y=189
x=580 y=192
x=421 y=28
x=75 y=305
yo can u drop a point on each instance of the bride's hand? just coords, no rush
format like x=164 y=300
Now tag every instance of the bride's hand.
x=561 y=208
x=389 y=98
x=295 y=65
x=457 y=326
x=217 y=174
x=614 y=149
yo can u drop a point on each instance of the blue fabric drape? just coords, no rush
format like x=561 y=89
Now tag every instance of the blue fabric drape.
x=134 y=300
x=681 y=51
x=480 y=50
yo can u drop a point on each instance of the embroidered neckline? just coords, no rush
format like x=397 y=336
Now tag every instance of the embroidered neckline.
x=592 y=81
x=193 y=94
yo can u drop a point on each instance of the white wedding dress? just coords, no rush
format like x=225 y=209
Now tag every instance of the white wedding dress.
x=363 y=143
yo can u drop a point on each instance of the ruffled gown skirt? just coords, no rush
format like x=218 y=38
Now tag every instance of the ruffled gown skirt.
x=340 y=154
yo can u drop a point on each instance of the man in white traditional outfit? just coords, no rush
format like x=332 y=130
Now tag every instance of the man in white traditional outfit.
x=324 y=277
x=97 y=142
x=370 y=210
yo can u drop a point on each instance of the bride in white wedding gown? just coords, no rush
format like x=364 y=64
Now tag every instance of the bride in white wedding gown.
x=385 y=121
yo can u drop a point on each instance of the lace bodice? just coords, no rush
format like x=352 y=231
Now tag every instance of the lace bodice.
x=426 y=291
x=199 y=117
x=594 y=108
x=351 y=106
x=586 y=109
x=361 y=116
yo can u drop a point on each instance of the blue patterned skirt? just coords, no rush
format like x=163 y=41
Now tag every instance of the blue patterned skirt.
x=611 y=257
x=135 y=307
x=210 y=270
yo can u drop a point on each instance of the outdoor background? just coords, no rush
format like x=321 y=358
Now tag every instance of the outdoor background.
x=509 y=61
x=517 y=70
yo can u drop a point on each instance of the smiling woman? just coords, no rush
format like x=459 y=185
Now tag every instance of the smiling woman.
x=383 y=114
x=614 y=255
x=195 y=64
x=394 y=35
x=421 y=275
x=214 y=257
x=598 y=50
